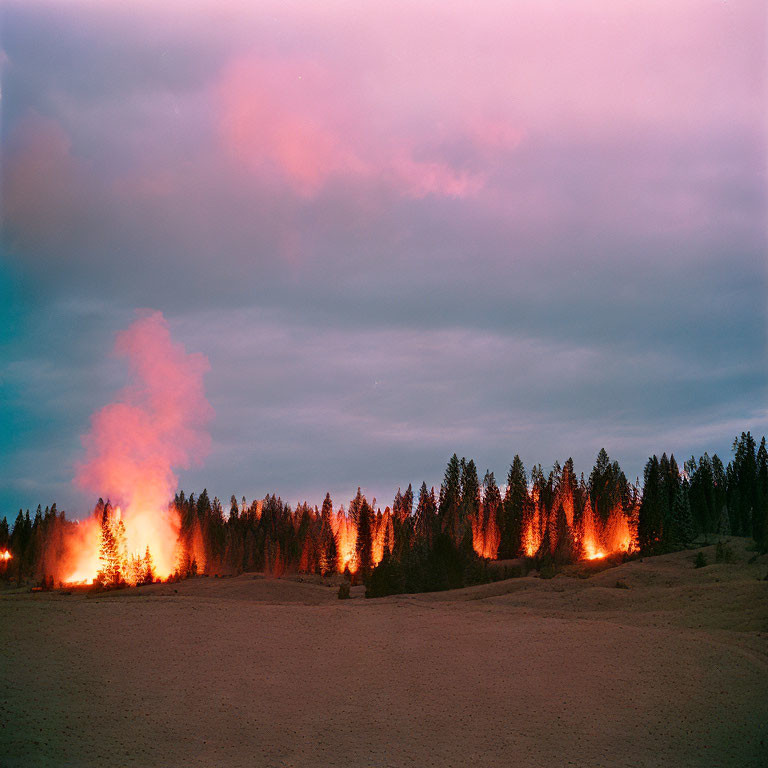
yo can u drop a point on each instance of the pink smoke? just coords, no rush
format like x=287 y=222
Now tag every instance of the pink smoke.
x=156 y=424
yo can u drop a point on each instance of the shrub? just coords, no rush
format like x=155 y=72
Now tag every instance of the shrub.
x=344 y=590
x=723 y=553
x=547 y=569
x=513 y=572
x=385 y=579
x=621 y=584
x=700 y=560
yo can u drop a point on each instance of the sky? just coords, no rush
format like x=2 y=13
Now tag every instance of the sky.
x=396 y=230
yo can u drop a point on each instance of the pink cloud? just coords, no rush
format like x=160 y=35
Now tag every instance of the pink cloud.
x=309 y=124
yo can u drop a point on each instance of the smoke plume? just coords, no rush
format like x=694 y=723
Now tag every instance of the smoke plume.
x=156 y=423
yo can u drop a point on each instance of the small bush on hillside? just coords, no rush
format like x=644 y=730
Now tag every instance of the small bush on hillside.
x=547 y=569
x=700 y=560
x=621 y=584
x=385 y=579
x=344 y=590
x=724 y=553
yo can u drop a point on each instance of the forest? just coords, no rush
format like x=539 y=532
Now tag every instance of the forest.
x=429 y=540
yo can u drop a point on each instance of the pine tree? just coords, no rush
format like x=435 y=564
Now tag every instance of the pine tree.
x=450 y=500
x=149 y=568
x=516 y=502
x=397 y=506
x=234 y=509
x=702 y=493
x=469 y=508
x=653 y=508
x=681 y=530
x=720 y=491
x=492 y=516
x=426 y=516
x=669 y=482
x=364 y=540
x=5 y=536
x=109 y=572
x=330 y=552
x=742 y=485
x=724 y=522
x=406 y=508
x=600 y=486
x=760 y=520
x=135 y=571
x=356 y=505
x=120 y=545
x=19 y=540
x=565 y=547
x=203 y=505
x=567 y=492
x=327 y=509
x=422 y=523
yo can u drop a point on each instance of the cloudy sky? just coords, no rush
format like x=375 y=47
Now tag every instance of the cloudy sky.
x=396 y=230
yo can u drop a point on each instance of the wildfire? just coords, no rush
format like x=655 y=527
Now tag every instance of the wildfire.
x=485 y=536
x=383 y=534
x=346 y=535
x=345 y=530
x=114 y=549
x=617 y=535
x=591 y=553
x=155 y=424
x=532 y=533
x=5 y=555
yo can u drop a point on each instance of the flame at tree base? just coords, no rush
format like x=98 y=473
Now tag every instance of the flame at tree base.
x=114 y=549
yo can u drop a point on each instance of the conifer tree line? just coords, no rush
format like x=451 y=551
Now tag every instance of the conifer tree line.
x=431 y=539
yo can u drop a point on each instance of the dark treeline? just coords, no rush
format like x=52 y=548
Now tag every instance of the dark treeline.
x=429 y=540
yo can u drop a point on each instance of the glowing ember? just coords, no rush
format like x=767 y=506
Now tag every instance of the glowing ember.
x=5 y=555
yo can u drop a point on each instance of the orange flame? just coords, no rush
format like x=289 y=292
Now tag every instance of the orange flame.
x=346 y=535
x=485 y=535
x=157 y=534
x=617 y=535
x=382 y=527
x=532 y=533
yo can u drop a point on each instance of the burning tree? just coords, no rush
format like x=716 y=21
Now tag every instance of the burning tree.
x=110 y=572
x=148 y=571
x=364 y=540
x=329 y=546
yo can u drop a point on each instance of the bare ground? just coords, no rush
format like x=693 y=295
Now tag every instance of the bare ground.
x=672 y=671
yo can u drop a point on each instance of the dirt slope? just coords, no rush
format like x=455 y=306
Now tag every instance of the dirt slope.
x=249 y=671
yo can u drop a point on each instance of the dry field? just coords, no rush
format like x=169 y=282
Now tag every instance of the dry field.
x=527 y=672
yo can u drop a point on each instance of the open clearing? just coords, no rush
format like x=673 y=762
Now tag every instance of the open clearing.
x=672 y=671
